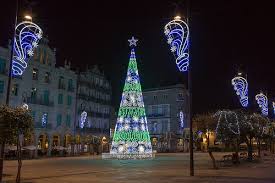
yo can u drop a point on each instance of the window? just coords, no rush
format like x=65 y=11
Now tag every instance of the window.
x=155 y=97
x=14 y=89
x=68 y=120
x=35 y=74
x=165 y=109
x=180 y=96
x=46 y=97
x=1 y=86
x=154 y=110
x=70 y=85
x=165 y=96
x=69 y=100
x=164 y=126
x=61 y=84
x=2 y=66
x=47 y=77
x=33 y=115
x=58 y=119
x=60 y=98
x=33 y=93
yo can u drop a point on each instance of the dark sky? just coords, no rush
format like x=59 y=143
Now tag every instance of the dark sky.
x=225 y=35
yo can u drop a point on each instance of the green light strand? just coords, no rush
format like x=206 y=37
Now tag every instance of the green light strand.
x=131 y=111
x=137 y=136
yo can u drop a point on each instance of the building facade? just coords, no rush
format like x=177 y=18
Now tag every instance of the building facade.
x=167 y=110
x=93 y=110
x=51 y=94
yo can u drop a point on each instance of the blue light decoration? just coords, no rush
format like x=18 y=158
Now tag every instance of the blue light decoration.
x=273 y=105
x=44 y=119
x=181 y=120
x=27 y=36
x=83 y=118
x=263 y=103
x=177 y=33
x=240 y=85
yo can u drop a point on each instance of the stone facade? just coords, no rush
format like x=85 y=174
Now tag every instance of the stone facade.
x=166 y=125
x=51 y=94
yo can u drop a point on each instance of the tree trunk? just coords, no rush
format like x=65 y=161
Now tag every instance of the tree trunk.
x=259 y=148
x=250 y=150
x=19 y=160
x=236 y=157
x=213 y=159
x=2 y=160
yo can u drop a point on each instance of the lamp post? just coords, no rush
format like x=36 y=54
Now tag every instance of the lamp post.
x=177 y=32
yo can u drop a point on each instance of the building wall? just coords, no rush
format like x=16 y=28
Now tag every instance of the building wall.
x=163 y=106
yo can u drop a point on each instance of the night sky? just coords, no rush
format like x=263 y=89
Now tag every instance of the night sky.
x=225 y=35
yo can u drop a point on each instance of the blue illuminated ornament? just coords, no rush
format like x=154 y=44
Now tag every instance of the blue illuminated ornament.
x=44 y=119
x=241 y=87
x=27 y=36
x=177 y=33
x=83 y=118
x=263 y=103
x=273 y=105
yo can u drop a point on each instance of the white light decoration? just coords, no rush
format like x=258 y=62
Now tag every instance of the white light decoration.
x=25 y=106
x=44 y=119
x=181 y=120
x=263 y=103
x=234 y=128
x=27 y=36
x=177 y=33
x=83 y=118
x=131 y=139
x=273 y=105
x=241 y=87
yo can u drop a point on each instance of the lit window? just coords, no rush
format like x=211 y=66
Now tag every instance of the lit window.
x=35 y=74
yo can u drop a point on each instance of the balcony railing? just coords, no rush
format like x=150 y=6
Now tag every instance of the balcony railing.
x=39 y=125
x=37 y=101
x=93 y=130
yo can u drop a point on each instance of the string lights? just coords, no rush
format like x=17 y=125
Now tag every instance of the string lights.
x=177 y=33
x=26 y=39
x=240 y=85
x=232 y=125
x=263 y=103
x=131 y=138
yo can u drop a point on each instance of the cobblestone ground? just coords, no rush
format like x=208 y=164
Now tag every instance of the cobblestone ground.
x=164 y=168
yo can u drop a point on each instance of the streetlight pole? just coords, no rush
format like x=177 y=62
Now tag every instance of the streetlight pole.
x=190 y=96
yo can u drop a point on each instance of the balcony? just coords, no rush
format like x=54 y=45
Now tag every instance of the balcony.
x=38 y=125
x=156 y=115
x=33 y=100
x=93 y=130
x=61 y=86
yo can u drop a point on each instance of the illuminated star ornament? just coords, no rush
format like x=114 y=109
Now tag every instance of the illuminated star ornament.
x=240 y=85
x=263 y=103
x=27 y=36
x=177 y=33
x=132 y=42
x=131 y=138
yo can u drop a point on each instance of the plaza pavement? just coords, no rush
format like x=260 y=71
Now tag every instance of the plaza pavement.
x=164 y=168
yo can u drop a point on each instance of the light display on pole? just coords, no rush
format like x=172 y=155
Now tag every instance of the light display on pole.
x=44 y=119
x=177 y=33
x=273 y=105
x=181 y=115
x=27 y=36
x=240 y=85
x=263 y=103
x=83 y=118
x=131 y=138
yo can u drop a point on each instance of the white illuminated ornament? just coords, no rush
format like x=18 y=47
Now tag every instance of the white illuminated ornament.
x=241 y=87
x=177 y=33
x=27 y=36
x=83 y=118
x=263 y=103
x=25 y=106
x=181 y=119
x=141 y=149
x=132 y=41
x=44 y=119
x=273 y=105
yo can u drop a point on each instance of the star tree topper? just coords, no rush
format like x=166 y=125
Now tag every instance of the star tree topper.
x=133 y=42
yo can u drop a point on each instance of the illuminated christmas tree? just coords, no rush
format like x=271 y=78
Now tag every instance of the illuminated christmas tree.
x=131 y=138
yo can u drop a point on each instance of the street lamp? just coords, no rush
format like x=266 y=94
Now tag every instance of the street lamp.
x=177 y=33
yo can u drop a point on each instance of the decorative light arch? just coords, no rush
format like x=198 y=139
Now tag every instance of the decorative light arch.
x=263 y=103
x=240 y=85
x=177 y=33
x=27 y=36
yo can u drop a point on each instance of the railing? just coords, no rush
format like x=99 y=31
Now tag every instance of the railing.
x=37 y=101
x=93 y=130
x=93 y=99
x=158 y=115
x=39 y=125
